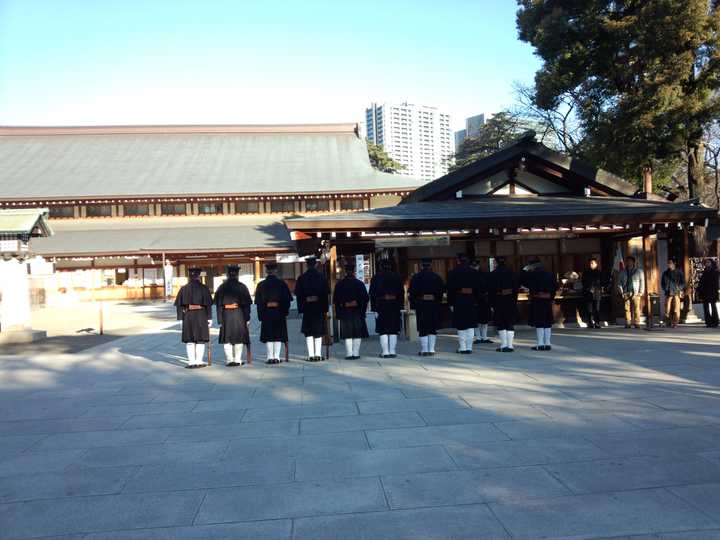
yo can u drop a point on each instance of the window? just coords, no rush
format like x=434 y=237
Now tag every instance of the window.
x=136 y=209
x=282 y=206
x=351 y=204
x=317 y=205
x=62 y=211
x=98 y=210
x=247 y=207
x=173 y=209
x=210 y=208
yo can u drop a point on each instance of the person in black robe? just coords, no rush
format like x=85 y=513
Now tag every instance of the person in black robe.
x=387 y=297
x=273 y=298
x=503 y=292
x=350 y=299
x=593 y=282
x=463 y=293
x=483 y=306
x=232 y=304
x=194 y=309
x=311 y=292
x=708 y=292
x=425 y=295
x=542 y=287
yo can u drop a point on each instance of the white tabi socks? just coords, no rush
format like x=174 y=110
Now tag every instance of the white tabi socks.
x=310 y=341
x=424 y=344
x=461 y=340
x=431 y=343
x=393 y=344
x=190 y=348
x=540 y=336
x=384 y=345
x=510 y=337
x=318 y=347
x=277 y=349
x=270 y=350
x=238 y=350
x=349 y=347
x=356 y=346
x=548 y=333
x=199 y=353
x=229 y=353
x=503 y=338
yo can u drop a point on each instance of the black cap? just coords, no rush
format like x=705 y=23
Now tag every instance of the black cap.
x=233 y=269
x=500 y=259
x=475 y=262
x=195 y=272
x=426 y=261
x=271 y=267
x=350 y=268
x=311 y=261
x=386 y=263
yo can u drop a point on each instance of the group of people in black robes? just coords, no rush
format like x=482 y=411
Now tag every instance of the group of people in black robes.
x=475 y=298
x=232 y=303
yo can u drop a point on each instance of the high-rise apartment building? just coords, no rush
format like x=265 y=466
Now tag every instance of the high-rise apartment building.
x=417 y=136
x=473 y=125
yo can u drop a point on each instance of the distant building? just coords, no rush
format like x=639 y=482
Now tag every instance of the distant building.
x=127 y=202
x=473 y=125
x=416 y=136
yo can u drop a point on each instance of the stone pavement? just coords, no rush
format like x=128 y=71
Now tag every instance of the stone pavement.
x=614 y=434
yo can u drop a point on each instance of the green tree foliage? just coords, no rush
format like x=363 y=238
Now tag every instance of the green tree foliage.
x=499 y=131
x=643 y=76
x=380 y=159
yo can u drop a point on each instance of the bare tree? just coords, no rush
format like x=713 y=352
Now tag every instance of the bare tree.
x=557 y=127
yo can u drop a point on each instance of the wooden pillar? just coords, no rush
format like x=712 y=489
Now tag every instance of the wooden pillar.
x=646 y=259
x=143 y=283
x=257 y=272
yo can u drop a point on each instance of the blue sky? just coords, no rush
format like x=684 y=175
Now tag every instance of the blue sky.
x=81 y=62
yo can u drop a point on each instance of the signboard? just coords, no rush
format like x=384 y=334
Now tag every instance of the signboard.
x=168 y=279
x=360 y=267
x=412 y=241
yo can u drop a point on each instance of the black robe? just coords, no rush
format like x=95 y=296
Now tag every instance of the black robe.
x=311 y=291
x=383 y=285
x=707 y=290
x=427 y=311
x=483 y=298
x=233 y=322
x=463 y=293
x=502 y=279
x=351 y=318
x=273 y=318
x=194 y=321
x=541 y=309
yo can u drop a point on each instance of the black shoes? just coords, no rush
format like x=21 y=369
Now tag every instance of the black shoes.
x=542 y=348
x=352 y=358
x=314 y=359
x=233 y=364
x=272 y=361
x=485 y=341
x=195 y=366
x=463 y=352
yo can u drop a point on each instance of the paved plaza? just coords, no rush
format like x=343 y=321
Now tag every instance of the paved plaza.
x=613 y=434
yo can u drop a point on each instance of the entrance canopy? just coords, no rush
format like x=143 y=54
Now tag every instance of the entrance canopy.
x=505 y=214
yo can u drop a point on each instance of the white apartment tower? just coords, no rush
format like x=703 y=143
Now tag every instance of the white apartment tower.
x=417 y=136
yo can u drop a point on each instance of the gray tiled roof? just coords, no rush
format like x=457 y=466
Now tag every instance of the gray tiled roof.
x=163 y=235
x=48 y=165
x=508 y=211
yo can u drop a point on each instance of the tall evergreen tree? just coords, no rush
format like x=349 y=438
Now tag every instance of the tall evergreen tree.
x=644 y=75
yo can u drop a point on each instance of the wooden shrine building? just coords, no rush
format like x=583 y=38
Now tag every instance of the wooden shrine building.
x=134 y=205
x=523 y=202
